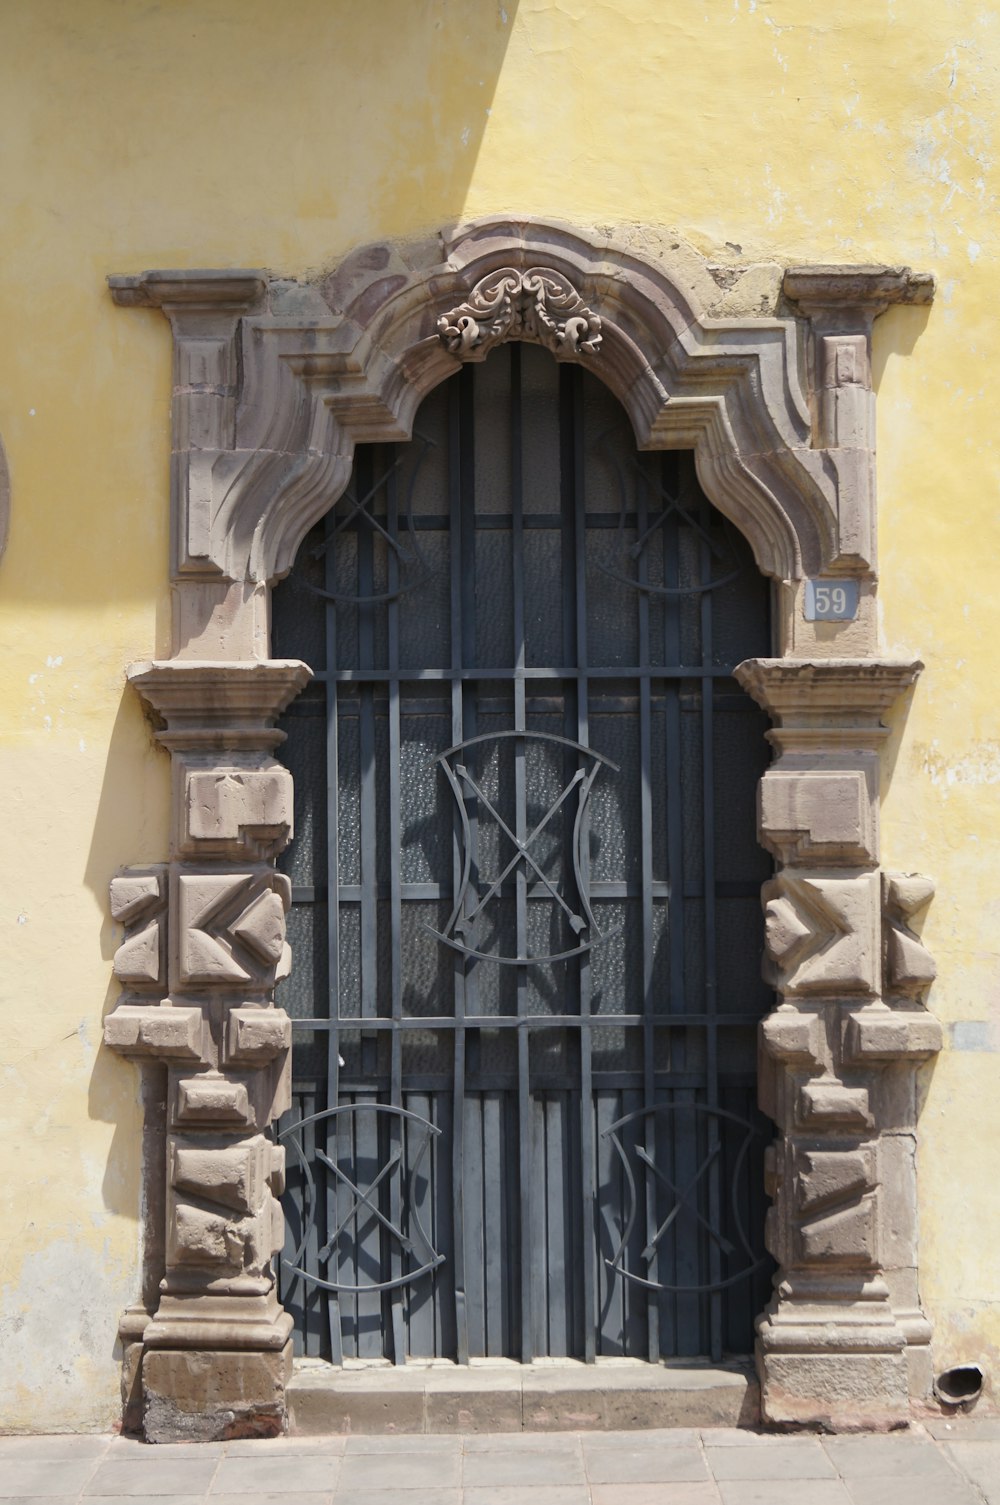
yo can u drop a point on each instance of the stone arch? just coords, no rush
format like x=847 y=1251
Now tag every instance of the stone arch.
x=275 y=382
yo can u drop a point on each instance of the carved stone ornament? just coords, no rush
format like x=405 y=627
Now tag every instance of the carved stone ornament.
x=538 y=305
x=275 y=382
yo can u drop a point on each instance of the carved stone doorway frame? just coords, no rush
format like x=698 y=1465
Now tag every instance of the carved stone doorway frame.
x=275 y=382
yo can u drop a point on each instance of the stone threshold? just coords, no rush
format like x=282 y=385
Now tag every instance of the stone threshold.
x=550 y=1395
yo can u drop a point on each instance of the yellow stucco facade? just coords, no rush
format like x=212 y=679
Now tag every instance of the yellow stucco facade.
x=239 y=133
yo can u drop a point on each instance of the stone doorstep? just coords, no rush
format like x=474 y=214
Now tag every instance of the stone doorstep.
x=550 y=1396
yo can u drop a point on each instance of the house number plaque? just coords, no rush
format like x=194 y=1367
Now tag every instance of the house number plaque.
x=831 y=600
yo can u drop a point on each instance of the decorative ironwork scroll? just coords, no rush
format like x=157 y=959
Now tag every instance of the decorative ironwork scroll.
x=539 y=304
x=727 y=557
x=685 y=1196
x=412 y=567
x=393 y=1179
x=475 y=894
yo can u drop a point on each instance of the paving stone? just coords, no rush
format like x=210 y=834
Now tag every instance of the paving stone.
x=964 y=1428
x=784 y=1492
x=523 y=1469
x=913 y=1491
x=425 y=1496
x=741 y=1437
x=655 y=1494
x=135 y=1447
x=646 y=1465
x=303 y=1474
x=887 y=1458
x=285 y=1498
x=283 y=1447
x=558 y=1444
x=978 y=1461
x=525 y=1494
x=152 y=1475
x=65 y=1447
x=404 y=1444
x=798 y=1458
x=36 y=1477
x=399 y=1470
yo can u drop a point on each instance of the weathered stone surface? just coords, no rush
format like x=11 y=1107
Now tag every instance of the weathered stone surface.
x=171 y=1033
x=138 y=901
x=817 y=815
x=822 y=934
x=237 y=812
x=201 y=1396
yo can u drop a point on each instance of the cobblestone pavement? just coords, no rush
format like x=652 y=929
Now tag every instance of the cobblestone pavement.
x=944 y=1463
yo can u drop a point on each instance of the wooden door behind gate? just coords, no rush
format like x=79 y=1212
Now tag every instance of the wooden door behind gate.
x=526 y=924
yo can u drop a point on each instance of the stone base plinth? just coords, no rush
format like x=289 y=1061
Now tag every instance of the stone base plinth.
x=198 y=1395
x=840 y=1392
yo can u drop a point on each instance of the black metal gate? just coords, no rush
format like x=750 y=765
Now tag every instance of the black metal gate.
x=526 y=923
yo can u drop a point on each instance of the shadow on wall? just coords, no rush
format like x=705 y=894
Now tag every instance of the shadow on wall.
x=130 y=828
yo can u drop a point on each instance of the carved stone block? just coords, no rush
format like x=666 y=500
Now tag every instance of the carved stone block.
x=832 y=1105
x=138 y=901
x=909 y=967
x=817 y=816
x=212 y=1099
x=821 y=934
x=230 y=928
x=242 y=813
x=255 y=1036
x=158 y=1030
x=877 y=1034
x=222 y=1210
x=793 y=1037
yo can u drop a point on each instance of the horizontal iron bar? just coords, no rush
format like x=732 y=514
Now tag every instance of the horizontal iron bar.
x=360 y=1024
x=350 y=893
x=529 y=671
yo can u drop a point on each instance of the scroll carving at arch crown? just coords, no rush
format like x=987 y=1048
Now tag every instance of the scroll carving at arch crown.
x=538 y=305
x=276 y=381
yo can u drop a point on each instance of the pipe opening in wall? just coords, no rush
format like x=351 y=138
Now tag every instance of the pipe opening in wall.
x=962 y=1385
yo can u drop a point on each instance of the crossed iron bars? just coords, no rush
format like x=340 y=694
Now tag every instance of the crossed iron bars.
x=364 y=1200
x=684 y=1196
x=462 y=920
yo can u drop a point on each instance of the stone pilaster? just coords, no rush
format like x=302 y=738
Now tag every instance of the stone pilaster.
x=843 y=1341
x=204 y=943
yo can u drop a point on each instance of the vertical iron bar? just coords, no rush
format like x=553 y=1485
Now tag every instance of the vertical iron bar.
x=461 y=489
x=573 y=380
x=646 y=803
x=521 y=880
x=708 y=860
x=331 y=1298
x=367 y=1124
x=676 y=916
x=396 y=1137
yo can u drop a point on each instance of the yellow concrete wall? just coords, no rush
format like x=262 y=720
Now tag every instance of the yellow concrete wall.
x=244 y=132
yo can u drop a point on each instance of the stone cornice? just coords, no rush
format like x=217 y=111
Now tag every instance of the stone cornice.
x=217 y=288
x=827 y=691
x=869 y=288
x=219 y=705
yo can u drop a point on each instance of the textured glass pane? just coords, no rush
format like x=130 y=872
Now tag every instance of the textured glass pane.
x=494 y=623
x=350 y=960
x=304 y=994
x=492 y=433
x=691 y=785
x=540 y=429
x=616 y=962
x=428 y=1052
x=424 y=630
x=428 y=812
x=612 y=607
x=349 y=801
x=429 y=496
x=738 y=951
x=426 y=964
x=617 y=1048
x=304 y=755
x=740 y=756
x=543 y=600
x=615 y=801
x=298 y=614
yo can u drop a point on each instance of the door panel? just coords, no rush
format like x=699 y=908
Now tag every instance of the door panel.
x=526 y=924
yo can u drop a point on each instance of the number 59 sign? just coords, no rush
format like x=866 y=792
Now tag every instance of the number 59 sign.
x=831 y=600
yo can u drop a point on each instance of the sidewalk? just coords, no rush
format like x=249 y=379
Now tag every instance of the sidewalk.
x=956 y=1463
